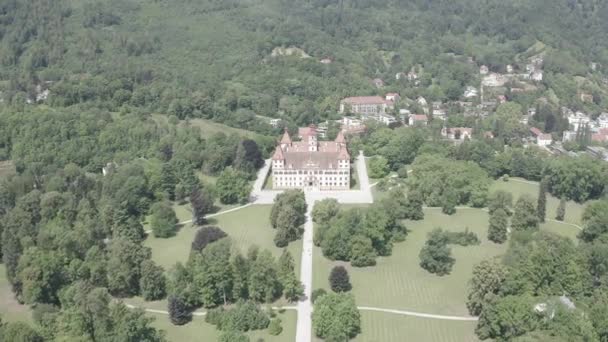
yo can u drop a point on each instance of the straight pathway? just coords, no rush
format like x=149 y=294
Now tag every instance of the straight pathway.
x=304 y=324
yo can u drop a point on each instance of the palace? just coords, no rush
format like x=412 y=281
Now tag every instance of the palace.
x=309 y=163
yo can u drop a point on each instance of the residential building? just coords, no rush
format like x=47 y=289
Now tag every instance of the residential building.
x=569 y=136
x=310 y=163
x=470 y=92
x=541 y=139
x=365 y=105
x=602 y=120
x=457 y=133
x=417 y=119
x=578 y=119
x=393 y=97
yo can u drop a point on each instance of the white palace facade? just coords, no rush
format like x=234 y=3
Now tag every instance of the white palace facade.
x=309 y=163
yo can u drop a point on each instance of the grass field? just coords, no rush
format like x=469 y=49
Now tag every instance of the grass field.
x=246 y=227
x=199 y=330
x=518 y=186
x=385 y=327
x=10 y=309
x=398 y=282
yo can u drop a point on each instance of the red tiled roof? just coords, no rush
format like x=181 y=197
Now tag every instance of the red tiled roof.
x=278 y=154
x=340 y=138
x=419 y=117
x=545 y=136
x=536 y=131
x=343 y=155
x=307 y=131
x=599 y=137
x=286 y=138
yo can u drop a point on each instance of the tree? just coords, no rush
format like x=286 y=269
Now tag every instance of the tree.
x=362 y=252
x=335 y=317
x=449 y=202
x=248 y=157
x=292 y=287
x=501 y=200
x=339 y=280
x=317 y=293
x=264 y=284
x=506 y=318
x=233 y=336
x=487 y=278
x=232 y=187
x=41 y=275
x=595 y=221
x=561 y=210
x=153 y=282
x=325 y=210
x=163 y=221
x=378 y=167
x=124 y=262
x=240 y=270
x=179 y=313
x=525 y=216
x=541 y=206
x=275 y=327
x=202 y=204
x=206 y=235
x=287 y=226
x=19 y=332
x=414 y=205
x=168 y=180
x=435 y=256
x=212 y=276
x=499 y=222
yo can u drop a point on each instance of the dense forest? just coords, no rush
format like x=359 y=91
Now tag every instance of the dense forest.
x=213 y=59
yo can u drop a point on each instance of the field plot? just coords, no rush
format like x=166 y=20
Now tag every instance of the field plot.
x=199 y=330
x=385 y=327
x=246 y=227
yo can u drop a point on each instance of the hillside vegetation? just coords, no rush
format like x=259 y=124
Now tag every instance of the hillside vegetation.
x=214 y=59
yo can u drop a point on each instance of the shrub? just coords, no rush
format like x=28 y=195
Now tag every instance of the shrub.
x=317 y=294
x=179 y=312
x=244 y=316
x=465 y=238
x=275 y=327
x=205 y=236
x=339 y=279
x=505 y=178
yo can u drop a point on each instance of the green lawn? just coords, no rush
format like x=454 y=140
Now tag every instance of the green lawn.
x=518 y=186
x=246 y=227
x=199 y=330
x=10 y=309
x=386 y=327
x=398 y=282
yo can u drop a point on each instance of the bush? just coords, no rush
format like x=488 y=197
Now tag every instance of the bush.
x=163 y=221
x=465 y=238
x=402 y=172
x=378 y=167
x=179 y=312
x=244 y=316
x=317 y=294
x=339 y=279
x=505 y=178
x=205 y=236
x=435 y=256
x=275 y=327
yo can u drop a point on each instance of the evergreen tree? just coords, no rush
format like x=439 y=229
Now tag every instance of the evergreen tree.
x=436 y=256
x=561 y=210
x=449 y=202
x=179 y=313
x=497 y=231
x=240 y=271
x=541 y=205
x=168 y=180
x=339 y=280
x=202 y=204
x=525 y=216
x=153 y=282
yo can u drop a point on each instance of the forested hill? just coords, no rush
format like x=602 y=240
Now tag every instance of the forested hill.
x=213 y=58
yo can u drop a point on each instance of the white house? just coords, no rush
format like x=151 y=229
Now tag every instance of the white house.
x=418 y=119
x=457 y=133
x=577 y=120
x=602 y=120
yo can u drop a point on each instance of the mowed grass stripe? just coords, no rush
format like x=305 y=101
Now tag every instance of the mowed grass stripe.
x=385 y=327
